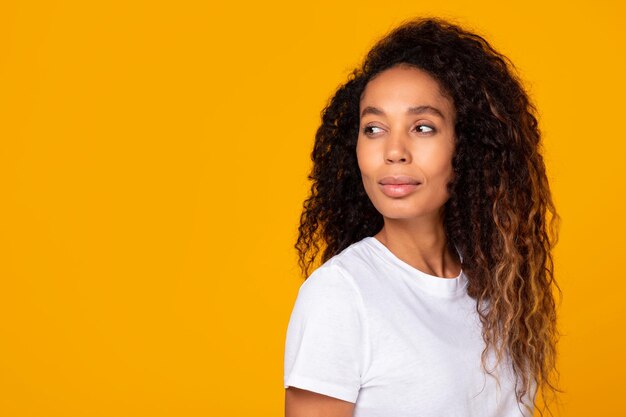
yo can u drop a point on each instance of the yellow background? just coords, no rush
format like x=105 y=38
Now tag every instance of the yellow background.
x=153 y=164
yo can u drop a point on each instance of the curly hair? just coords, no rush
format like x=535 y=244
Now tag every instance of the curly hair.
x=500 y=215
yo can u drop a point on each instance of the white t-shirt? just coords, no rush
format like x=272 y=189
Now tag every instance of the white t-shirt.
x=370 y=329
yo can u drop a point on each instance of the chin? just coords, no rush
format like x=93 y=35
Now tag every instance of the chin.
x=405 y=209
x=401 y=216
x=399 y=213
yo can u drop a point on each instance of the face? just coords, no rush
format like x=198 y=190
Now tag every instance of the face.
x=406 y=143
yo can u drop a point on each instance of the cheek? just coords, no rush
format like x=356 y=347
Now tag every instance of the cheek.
x=444 y=170
x=367 y=167
x=437 y=163
x=363 y=158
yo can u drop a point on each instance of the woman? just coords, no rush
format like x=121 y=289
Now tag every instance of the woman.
x=432 y=213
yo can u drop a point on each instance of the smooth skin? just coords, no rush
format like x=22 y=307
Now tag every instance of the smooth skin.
x=406 y=129
x=303 y=403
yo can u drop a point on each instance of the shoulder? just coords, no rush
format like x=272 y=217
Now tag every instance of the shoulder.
x=341 y=273
x=328 y=284
x=362 y=254
x=337 y=287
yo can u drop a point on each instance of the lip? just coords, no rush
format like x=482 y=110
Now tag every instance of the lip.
x=398 y=180
x=398 y=185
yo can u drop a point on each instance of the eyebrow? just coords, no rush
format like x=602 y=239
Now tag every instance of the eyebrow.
x=410 y=110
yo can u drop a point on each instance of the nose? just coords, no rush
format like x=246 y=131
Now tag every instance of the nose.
x=396 y=150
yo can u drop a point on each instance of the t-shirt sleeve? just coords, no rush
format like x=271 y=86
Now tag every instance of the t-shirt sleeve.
x=326 y=337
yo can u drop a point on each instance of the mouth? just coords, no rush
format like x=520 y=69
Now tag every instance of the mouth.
x=398 y=186
x=399 y=180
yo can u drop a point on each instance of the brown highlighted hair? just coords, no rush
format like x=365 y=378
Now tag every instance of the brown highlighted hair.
x=500 y=215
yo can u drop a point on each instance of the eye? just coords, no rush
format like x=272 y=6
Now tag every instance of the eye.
x=424 y=129
x=372 y=130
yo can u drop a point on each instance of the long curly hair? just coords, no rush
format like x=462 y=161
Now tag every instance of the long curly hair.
x=500 y=215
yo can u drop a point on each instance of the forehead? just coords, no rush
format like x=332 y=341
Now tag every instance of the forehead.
x=404 y=86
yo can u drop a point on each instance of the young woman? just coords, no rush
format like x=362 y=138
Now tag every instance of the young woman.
x=431 y=212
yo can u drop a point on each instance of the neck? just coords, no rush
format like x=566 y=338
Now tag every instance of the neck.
x=421 y=243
